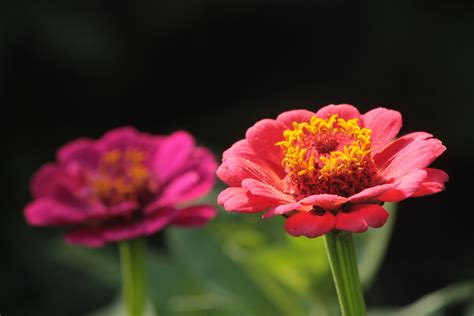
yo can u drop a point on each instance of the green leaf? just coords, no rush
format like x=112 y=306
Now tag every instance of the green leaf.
x=432 y=304
x=372 y=247
x=104 y=262
x=117 y=308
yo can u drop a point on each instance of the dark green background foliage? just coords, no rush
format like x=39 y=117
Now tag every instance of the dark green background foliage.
x=75 y=68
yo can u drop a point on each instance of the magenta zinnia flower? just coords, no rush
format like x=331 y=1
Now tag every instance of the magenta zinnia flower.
x=329 y=170
x=125 y=185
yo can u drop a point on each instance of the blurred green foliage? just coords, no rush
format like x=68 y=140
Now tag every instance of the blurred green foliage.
x=243 y=266
x=240 y=265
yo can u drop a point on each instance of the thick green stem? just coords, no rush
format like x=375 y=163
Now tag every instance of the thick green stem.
x=133 y=275
x=343 y=261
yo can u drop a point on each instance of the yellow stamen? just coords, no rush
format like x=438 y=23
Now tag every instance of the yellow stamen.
x=112 y=157
x=121 y=175
x=351 y=158
x=135 y=156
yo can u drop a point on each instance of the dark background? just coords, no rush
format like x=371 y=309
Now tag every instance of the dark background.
x=77 y=68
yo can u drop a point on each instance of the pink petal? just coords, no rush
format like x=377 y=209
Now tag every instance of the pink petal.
x=197 y=179
x=372 y=193
x=119 y=138
x=86 y=236
x=46 y=211
x=389 y=151
x=345 y=111
x=172 y=155
x=194 y=216
x=416 y=155
x=327 y=202
x=57 y=201
x=123 y=209
x=81 y=153
x=52 y=182
x=358 y=218
x=235 y=169
x=47 y=180
x=433 y=183
x=298 y=116
x=146 y=226
x=205 y=164
x=385 y=125
x=174 y=191
x=405 y=187
x=258 y=188
x=121 y=230
x=240 y=200
x=310 y=224
x=262 y=138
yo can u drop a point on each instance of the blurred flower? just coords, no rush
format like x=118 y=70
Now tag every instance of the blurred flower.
x=329 y=170
x=125 y=185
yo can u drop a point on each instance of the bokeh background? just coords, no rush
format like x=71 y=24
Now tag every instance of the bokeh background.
x=75 y=68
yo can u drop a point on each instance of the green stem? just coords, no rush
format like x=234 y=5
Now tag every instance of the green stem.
x=343 y=261
x=133 y=275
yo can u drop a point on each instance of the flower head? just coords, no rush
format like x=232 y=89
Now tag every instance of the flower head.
x=124 y=185
x=329 y=170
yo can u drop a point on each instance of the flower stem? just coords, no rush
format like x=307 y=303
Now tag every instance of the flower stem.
x=343 y=261
x=133 y=275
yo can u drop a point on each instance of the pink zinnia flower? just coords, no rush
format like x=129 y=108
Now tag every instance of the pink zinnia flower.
x=125 y=185
x=329 y=170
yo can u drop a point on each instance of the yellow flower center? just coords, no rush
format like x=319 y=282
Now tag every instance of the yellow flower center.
x=122 y=175
x=327 y=156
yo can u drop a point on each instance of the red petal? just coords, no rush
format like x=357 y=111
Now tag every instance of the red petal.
x=262 y=138
x=394 y=147
x=433 y=183
x=298 y=116
x=416 y=155
x=242 y=149
x=309 y=224
x=328 y=202
x=235 y=169
x=286 y=208
x=385 y=125
x=345 y=111
x=358 y=218
x=240 y=200
x=261 y=189
x=405 y=187
x=372 y=193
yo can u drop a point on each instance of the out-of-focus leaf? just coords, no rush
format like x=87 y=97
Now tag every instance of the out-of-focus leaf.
x=239 y=265
x=432 y=304
x=372 y=246
x=175 y=290
x=97 y=263
x=203 y=255
x=469 y=311
x=117 y=308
